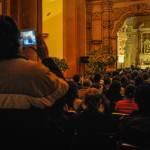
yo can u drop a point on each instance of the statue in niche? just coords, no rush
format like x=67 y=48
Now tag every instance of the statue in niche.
x=147 y=46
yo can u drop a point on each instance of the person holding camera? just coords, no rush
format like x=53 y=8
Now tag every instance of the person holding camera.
x=24 y=83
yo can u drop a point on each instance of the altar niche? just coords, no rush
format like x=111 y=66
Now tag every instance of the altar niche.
x=134 y=42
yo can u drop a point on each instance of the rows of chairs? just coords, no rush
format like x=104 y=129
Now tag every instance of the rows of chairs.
x=32 y=125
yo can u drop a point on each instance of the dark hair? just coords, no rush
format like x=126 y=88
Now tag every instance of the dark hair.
x=72 y=93
x=9 y=38
x=130 y=91
x=138 y=81
x=97 y=77
x=115 y=86
x=124 y=81
x=113 y=93
x=145 y=76
x=49 y=62
x=76 y=78
x=92 y=98
x=42 y=49
x=142 y=97
x=107 y=80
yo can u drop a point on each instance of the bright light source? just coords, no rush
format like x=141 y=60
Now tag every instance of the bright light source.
x=121 y=58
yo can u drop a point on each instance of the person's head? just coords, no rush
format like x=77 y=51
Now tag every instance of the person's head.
x=142 y=97
x=114 y=92
x=86 y=83
x=107 y=81
x=9 y=38
x=130 y=91
x=138 y=80
x=115 y=86
x=124 y=81
x=92 y=99
x=145 y=76
x=76 y=78
x=42 y=48
x=49 y=62
x=97 y=78
x=134 y=74
x=72 y=93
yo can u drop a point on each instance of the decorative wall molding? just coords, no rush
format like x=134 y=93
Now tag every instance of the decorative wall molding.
x=108 y=24
x=119 y=1
x=136 y=9
x=96 y=42
x=117 y=13
x=96 y=15
x=5 y=5
x=109 y=18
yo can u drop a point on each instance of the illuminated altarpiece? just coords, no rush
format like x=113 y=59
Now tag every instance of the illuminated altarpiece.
x=145 y=49
x=105 y=18
x=134 y=42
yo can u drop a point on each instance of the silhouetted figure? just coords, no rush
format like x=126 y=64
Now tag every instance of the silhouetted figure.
x=128 y=104
x=49 y=62
x=113 y=94
x=42 y=49
x=77 y=80
x=24 y=84
x=96 y=81
x=135 y=129
x=94 y=128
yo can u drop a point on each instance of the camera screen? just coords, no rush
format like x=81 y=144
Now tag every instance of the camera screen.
x=28 y=38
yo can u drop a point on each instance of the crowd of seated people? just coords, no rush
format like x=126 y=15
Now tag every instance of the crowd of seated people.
x=104 y=110
x=126 y=97
x=127 y=105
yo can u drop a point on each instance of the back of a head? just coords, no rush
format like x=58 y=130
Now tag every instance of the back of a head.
x=145 y=76
x=130 y=91
x=115 y=86
x=134 y=74
x=86 y=83
x=107 y=80
x=72 y=93
x=49 y=62
x=76 y=78
x=97 y=77
x=113 y=92
x=42 y=48
x=115 y=73
x=92 y=98
x=142 y=97
x=139 y=80
x=9 y=38
x=124 y=81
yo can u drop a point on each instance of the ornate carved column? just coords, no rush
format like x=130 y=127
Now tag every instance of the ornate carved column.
x=81 y=26
x=5 y=7
x=26 y=15
x=88 y=27
x=122 y=38
x=74 y=33
x=1 y=6
x=96 y=16
x=107 y=26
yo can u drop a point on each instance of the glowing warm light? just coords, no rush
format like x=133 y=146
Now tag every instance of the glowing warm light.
x=121 y=58
x=53 y=26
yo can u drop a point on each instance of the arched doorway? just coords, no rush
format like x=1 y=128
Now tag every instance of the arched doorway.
x=133 y=42
x=134 y=13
